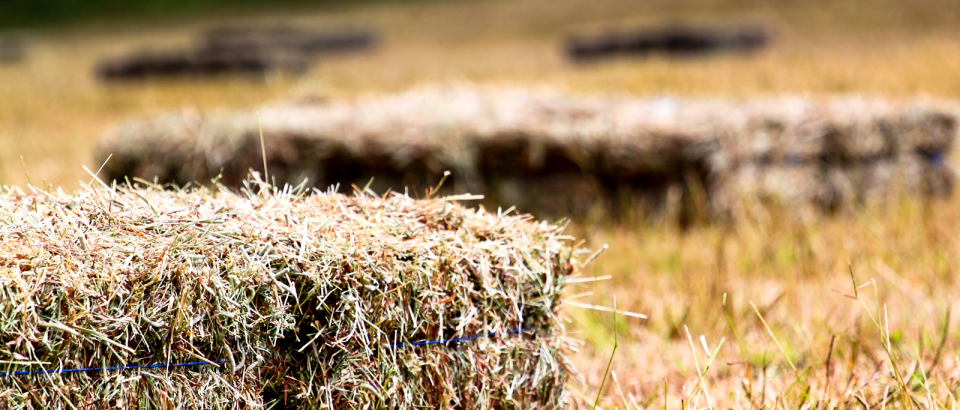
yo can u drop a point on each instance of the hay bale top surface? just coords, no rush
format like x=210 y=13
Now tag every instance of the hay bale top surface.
x=430 y=115
x=119 y=232
x=437 y=115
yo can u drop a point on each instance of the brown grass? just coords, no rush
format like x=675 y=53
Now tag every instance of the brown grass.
x=797 y=274
x=51 y=112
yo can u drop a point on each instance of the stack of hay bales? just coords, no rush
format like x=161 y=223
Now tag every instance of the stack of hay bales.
x=300 y=301
x=548 y=152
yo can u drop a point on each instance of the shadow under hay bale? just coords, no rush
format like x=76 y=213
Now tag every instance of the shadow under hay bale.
x=296 y=300
x=675 y=40
x=556 y=155
x=304 y=42
x=197 y=64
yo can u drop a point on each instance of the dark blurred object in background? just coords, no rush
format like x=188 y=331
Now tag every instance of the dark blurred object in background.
x=13 y=48
x=244 y=51
x=673 y=40
x=305 y=42
x=198 y=64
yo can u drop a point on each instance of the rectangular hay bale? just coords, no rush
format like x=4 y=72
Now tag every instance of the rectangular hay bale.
x=301 y=300
x=492 y=137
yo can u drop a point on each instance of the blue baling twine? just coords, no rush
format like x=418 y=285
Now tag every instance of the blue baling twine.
x=936 y=159
x=154 y=366
x=97 y=369
x=458 y=339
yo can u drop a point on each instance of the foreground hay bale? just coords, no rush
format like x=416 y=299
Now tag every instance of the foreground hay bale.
x=301 y=300
x=552 y=153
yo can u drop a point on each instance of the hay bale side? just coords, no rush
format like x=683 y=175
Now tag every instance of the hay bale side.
x=303 y=297
x=494 y=141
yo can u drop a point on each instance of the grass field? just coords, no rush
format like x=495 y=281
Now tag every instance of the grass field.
x=775 y=288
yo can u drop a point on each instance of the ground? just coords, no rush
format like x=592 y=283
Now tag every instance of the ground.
x=777 y=290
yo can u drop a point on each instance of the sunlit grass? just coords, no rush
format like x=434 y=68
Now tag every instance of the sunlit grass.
x=797 y=273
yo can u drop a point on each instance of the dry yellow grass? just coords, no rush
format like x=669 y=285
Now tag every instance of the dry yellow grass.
x=51 y=112
x=797 y=273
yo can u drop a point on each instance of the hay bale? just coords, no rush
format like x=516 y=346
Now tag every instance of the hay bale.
x=489 y=138
x=827 y=152
x=674 y=40
x=245 y=51
x=509 y=144
x=303 y=301
x=197 y=64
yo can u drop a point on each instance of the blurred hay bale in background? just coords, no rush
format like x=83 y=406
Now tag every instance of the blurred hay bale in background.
x=304 y=299
x=544 y=151
x=500 y=142
x=683 y=41
x=252 y=51
x=198 y=64
x=826 y=152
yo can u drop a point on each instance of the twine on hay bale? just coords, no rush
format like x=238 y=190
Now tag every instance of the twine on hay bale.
x=556 y=154
x=301 y=299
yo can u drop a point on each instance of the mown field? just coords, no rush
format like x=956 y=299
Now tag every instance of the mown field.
x=778 y=290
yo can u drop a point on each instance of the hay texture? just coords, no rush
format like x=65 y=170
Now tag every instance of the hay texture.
x=549 y=152
x=307 y=300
